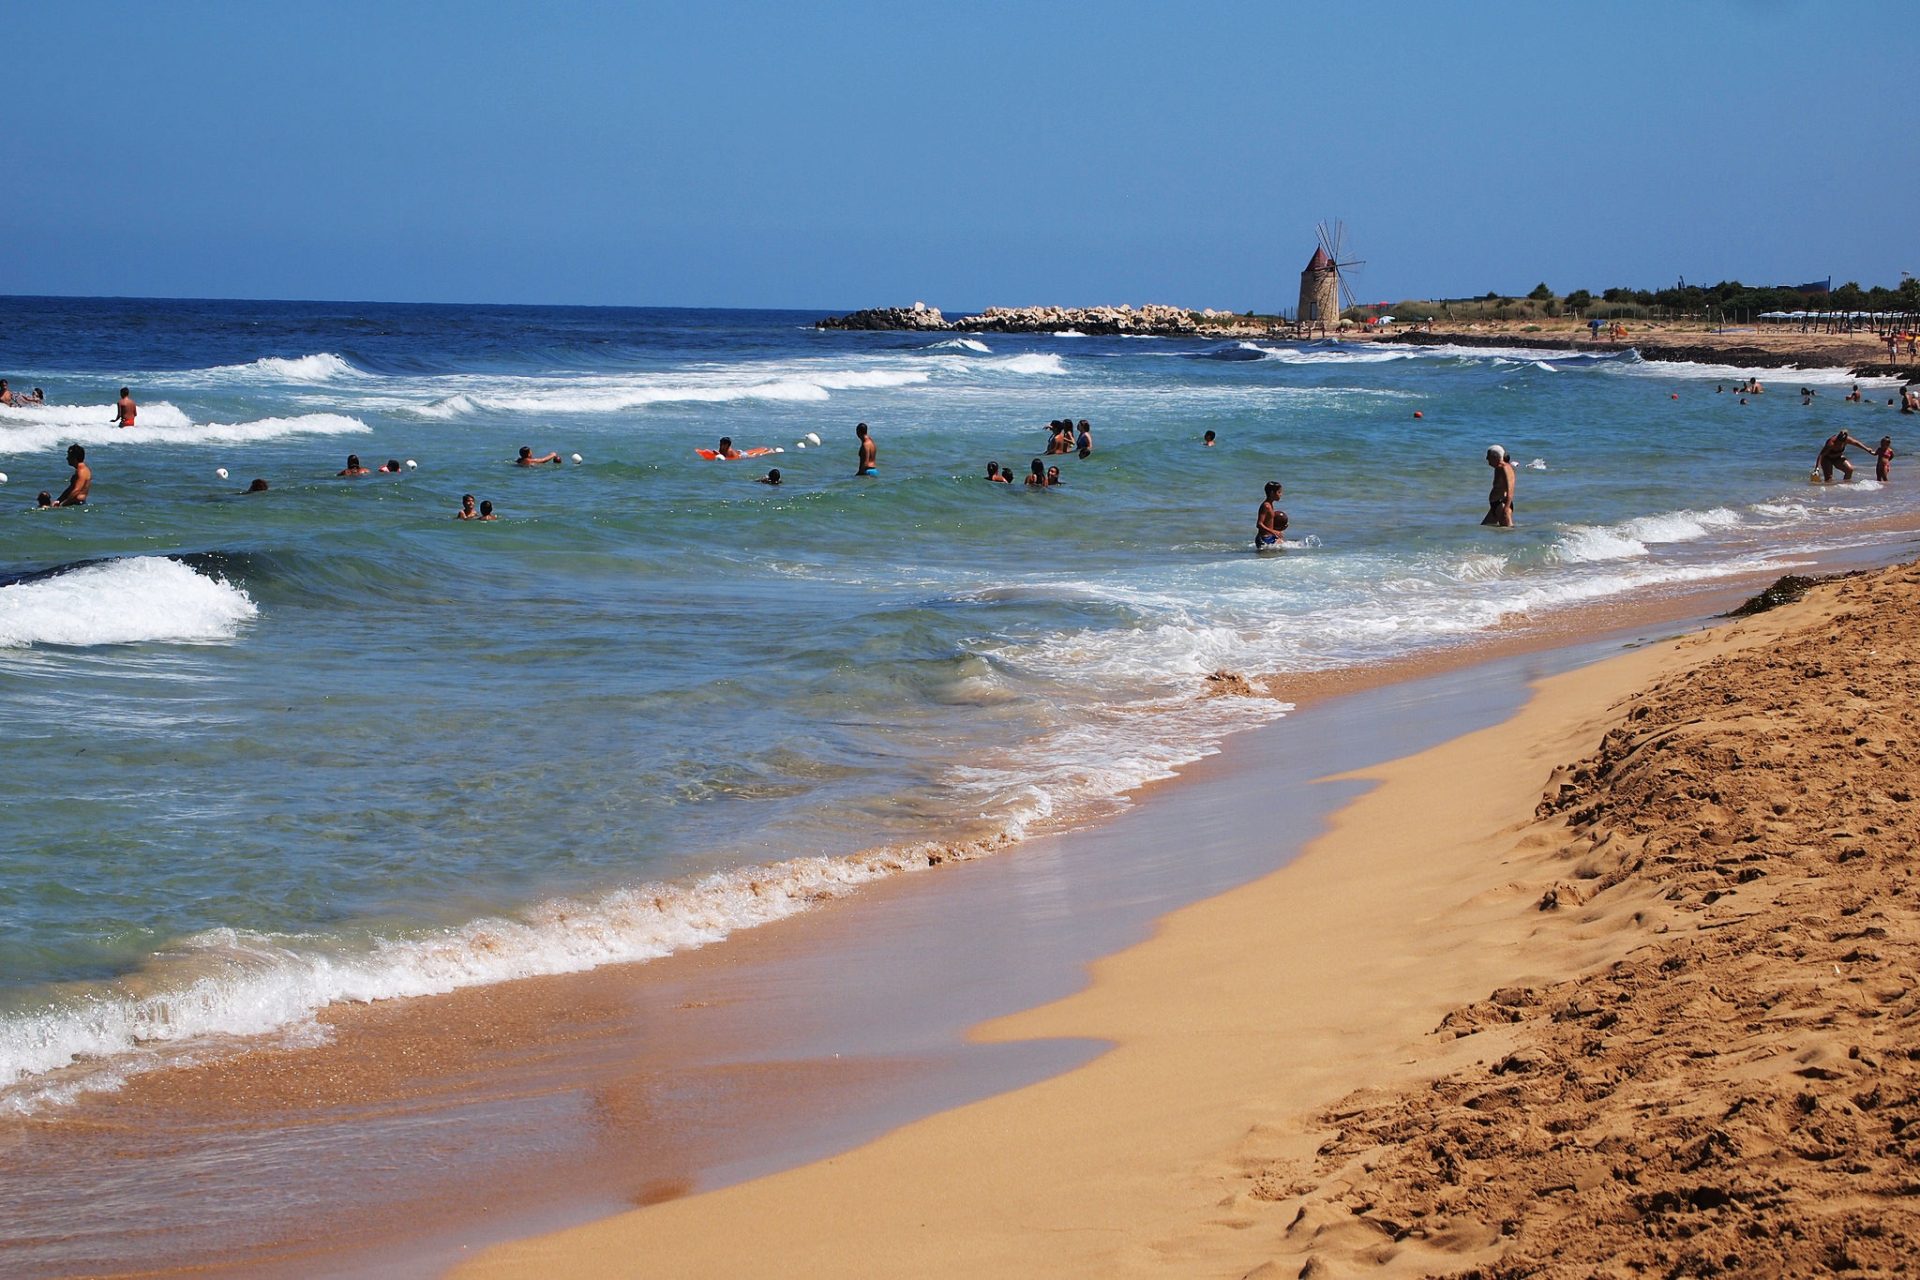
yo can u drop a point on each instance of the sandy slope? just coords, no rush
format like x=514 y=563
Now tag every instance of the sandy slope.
x=1655 y=1023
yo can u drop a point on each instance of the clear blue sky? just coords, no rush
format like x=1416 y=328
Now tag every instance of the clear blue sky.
x=839 y=155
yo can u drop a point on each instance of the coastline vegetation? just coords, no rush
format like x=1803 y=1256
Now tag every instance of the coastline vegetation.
x=1729 y=300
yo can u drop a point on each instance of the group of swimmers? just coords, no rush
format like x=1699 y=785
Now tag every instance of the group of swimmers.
x=9 y=396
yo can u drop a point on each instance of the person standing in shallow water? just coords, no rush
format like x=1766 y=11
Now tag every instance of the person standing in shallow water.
x=125 y=411
x=1500 y=497
x=868 y=462
x=1270 y=522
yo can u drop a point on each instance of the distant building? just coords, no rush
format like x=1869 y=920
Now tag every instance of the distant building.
x=1319 y=292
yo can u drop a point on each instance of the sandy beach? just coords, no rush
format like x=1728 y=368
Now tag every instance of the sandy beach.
x=1620 y=985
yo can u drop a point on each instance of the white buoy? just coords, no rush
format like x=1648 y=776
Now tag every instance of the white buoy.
x=3 y=477
x=799 y=444
x=778 y=449
x=576 y=459
x=221 y=472
x=812 y=438
x=412 y=465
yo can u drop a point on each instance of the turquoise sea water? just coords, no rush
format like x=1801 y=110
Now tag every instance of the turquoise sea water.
x=265 y=752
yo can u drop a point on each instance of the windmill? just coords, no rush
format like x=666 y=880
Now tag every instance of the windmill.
x=1323 y=285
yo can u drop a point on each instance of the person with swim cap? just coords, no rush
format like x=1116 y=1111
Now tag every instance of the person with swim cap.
x=869 y=459
x=1500 y=497
x=1269 y=522
x=353 y=467
x=726 y=449
x=526 y=458
x=1833 y=453
x=75 y=494
x=466 y=511
x=124 y=411
x=772 y=477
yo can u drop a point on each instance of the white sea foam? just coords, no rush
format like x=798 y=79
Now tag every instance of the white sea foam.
x=141 y=599
x=322 y=366
x=590 y=395
x=157 y=414
x=226 y=983
x=1043 y=363
x=1068 y=333
x=1629 y=539
x=30 y=439
x=963 y=344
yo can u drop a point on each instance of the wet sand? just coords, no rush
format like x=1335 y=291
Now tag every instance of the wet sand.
x=427 y=1127
x=1490 y=1023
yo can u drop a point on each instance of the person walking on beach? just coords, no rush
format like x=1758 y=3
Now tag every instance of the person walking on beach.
x=1833 y=453
x=75 y=494
x=1500 y=497
x=868 y=461
x=1269 y=522
x=124 y=411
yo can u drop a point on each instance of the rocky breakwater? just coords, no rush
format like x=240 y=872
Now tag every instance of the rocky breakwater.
x=917 y=316
x=1153 y=319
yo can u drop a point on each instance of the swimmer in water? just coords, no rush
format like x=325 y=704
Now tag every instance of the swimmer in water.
x=466 y=511
x=1500 y=497
x=486 y=511
x=772 y=477
x=6 y=393
x=1833 y=454
x=1084 y=441
x=390 y=466
x=353 y=467
x=44 y=500
x=75 y=494
x=1206 y=441
x=125 y=410
x=1037 y=475
x=526 y=458
x=998 y=475
x=258 y=486
x=868 y=461
x=1269 y=522
x=1053 y=477
x=726 y=449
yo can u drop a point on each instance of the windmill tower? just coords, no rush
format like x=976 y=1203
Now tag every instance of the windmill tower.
x=1323 y=286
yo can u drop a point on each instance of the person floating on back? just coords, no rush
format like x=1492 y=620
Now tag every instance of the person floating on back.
x=353 y=467
x=75 y=494
x=1500 y=497
x=868 y=461
x=1269 y=522
x=526 y=458
x=1833 y=455
x=125 y=411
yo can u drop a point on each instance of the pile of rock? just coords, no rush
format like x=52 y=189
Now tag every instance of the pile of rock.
x=918 y=316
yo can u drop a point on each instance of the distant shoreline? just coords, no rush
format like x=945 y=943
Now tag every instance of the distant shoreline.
x=1862 y=354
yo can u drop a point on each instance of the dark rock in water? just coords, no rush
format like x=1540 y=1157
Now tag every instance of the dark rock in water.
x=918 y=316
